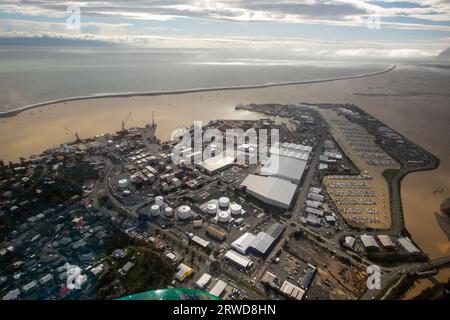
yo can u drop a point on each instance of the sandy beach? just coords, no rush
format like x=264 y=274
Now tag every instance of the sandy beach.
x=407 y=107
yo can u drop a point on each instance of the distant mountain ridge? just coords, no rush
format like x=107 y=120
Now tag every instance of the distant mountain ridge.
x=444 y=55
x=48 y=41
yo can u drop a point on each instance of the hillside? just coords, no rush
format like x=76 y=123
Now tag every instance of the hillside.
x=444 y=55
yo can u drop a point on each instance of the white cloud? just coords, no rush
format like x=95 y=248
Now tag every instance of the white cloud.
x=337 y=12
x=317 y=12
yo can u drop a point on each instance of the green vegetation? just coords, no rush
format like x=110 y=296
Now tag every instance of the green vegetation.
x=68 y=182
x=215 y=266
x=298 y=235
x=389 y=175
x=394 y=259
x=77 y=174
x=150 y=272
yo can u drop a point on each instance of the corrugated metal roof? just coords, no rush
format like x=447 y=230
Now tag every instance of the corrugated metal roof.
x=272 y=190
x=407 y=244
x=284 y=167
x=244 y=242
x=369 y=241
x=275 y=230
x=238 y=258
x=263 y=242
x=218 y=288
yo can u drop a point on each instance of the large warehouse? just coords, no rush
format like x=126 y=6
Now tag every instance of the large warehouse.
x=271 y=190
x=259 y=244
x=216 y=164
x=288 y=168
x=238 y=259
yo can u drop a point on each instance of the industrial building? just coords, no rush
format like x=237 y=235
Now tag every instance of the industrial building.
x=292 y=291
x=243 y=243
x=200 y=241
x=316 y=212
x=259 y=244
x=331 y=220
x=349 y=242
x=316 y=197
x=407 y=244
x=311 y=220
x=385 y=241
x=238 y=259
x=183 y=272
x=369 y=242
x=287 y=168
x=218 y=288
x=216 y=233
x=216 y=164
x=292 y=150
x=308 y=277
x=271 y=190
x=203 y=281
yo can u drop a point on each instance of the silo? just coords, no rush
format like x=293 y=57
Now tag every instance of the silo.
x=184 y=212
x=223 y=216
x=211 y=208
x=224 y=203
x=159 y=201
x=123 y=183
x=154 y=210
x=235 y=209
x=168 y=212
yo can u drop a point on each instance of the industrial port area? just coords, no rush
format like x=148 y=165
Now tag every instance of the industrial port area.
x=113 y=215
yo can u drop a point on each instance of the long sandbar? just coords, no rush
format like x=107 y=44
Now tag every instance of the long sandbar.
x=16 y=111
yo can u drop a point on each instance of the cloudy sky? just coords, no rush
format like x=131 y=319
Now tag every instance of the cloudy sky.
x=391 y=28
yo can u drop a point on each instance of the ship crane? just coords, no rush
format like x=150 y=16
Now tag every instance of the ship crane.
x=125 y=121
x=74 y=134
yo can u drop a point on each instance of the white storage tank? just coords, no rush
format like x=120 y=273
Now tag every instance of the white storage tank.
x=211 y=208
x=123 y=183
x=176 y=182
x=154 y=210
x=168 y=212
x=235 y=209
x=224 y=203
x=159 y=201
x=223 y=216
x=184 y=212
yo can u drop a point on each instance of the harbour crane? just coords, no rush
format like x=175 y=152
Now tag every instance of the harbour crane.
x=125 y=121
x=74 y=134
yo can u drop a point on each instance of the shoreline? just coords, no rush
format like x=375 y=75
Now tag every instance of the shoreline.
x=14 y=112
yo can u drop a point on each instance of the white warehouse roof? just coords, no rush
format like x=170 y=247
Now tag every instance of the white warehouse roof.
x=244 y=242
x=271 y=190
x=407 y=244
x=216 y=163
x=369 y=241
x=284 y=167
x=218 y=288
x=263 y=242
x=203 y=280
x=238 y=258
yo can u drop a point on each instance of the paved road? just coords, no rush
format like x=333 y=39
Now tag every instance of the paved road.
x=297 y=206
